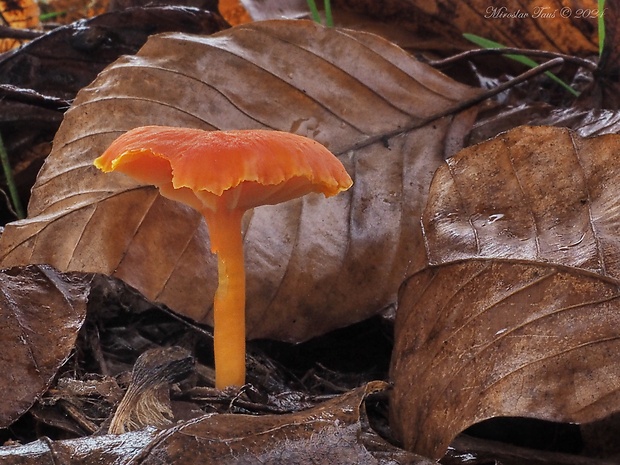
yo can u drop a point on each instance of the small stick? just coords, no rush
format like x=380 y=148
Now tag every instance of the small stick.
x=463 y=105
x=589 y=65
x=7 y=32
x=32 y=97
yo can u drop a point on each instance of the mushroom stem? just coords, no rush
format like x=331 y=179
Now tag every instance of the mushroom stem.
x=229 y=303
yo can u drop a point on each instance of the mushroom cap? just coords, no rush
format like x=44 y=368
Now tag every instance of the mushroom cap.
x=240 y=168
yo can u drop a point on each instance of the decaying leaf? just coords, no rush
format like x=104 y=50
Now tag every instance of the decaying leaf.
x=68 y=58
x=313 y=264
x=118 y=449
x=564 y=26
x=63 y=61
x=42 y=311
x=533 y=193
x=519 y=314
x=331 y=433
x=603 y=91
x=480 y=339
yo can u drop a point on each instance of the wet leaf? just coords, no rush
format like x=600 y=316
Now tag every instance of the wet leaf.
x=533 y=193
x=63 y=61
x=273 y=9
x=603 y=92
x=586 y=122
x=331 y=433
x=568 y=27
x=313 y=264
x=42 y=311
x=480 y=339
x=68 y=58
x=328 y=433
x=519 y=313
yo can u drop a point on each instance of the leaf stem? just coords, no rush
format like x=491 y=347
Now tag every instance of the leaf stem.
x=316 y=17
x=314 y=11
x=329 y=20
x=601 y=27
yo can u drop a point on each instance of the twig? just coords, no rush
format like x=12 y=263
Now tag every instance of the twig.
x=589 y=65
x=462 y=105
x=7 y=32
x=32 y=97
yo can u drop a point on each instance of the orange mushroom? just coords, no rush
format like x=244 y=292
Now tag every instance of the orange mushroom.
x=222 y=174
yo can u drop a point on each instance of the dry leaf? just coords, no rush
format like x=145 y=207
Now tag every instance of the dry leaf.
x=41 y=313
x=533 y=329
x=480 y=339
x=313 y=264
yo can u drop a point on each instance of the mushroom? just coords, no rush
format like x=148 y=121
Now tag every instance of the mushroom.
x=222 y=174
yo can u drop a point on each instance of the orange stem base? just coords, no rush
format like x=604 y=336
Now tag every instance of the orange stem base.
x=229 y=303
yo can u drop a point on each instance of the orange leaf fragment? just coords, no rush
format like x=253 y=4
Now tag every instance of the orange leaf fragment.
x=22 y=14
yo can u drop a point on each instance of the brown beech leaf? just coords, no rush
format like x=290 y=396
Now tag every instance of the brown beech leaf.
x=533 y=329
x=41 y=313
x=313 y=264
x=485 y=338
x=69 y=57
x=584 y=122
x=533 y=193
x=331 y=433
x=564 y=26
x=556 y=25
x=278 y=9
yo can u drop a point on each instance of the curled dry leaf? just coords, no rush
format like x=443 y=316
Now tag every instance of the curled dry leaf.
x=480 y=339
x=312 y=264
x=531 y=330
x=41 y=313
